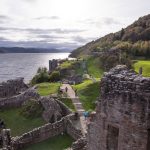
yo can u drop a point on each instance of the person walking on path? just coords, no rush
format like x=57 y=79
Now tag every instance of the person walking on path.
x=66 y=89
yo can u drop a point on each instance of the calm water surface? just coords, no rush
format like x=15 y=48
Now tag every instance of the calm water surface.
x=25 y=65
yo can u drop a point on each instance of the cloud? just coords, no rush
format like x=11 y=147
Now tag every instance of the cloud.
x=4 y=19
x=82 y=40
x=105 y=21
x=3 y=39
x=48 y=18
x=42 y=31
x=30 y=0
x=44 y=38
x=110 y=21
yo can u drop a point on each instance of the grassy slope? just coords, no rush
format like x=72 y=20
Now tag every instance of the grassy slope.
x=66 y=64
x=145 y=64
x=88 y=92
x=17 y=123
x=68 y=102
x=45 y=89
x=57 y=143
x=93 y=65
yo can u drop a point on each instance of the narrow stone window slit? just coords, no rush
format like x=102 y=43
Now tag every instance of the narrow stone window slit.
x=112 y=138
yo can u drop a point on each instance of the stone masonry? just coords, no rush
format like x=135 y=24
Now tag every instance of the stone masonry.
x=42 y=133
x=53 y=65
x=122 y=119
x=12 y=87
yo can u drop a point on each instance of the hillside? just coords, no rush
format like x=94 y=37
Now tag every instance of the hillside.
x=135 y=40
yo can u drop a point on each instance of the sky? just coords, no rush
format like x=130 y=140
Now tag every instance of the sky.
x=64 y=24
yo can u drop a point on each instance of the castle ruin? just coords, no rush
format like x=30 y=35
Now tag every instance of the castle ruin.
x=53 y=64
x=122 y=118
x=12 y=87
x=58 y=117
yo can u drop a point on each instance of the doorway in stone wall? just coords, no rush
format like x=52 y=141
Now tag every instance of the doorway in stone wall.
x=112 y=138
x=148 y=139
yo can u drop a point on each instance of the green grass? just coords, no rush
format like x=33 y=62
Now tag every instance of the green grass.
x=17 y=123
x=66 y=64
x=94 y=69
x=68 y=102
x=88 y=92
x=45 y=89
x=60 y=142
x=145 y=64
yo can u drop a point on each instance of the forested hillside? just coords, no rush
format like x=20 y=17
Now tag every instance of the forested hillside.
x=134 y=40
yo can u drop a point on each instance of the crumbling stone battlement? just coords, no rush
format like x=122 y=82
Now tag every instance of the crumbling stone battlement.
x=120 y=79
x=12 y=87
x=122 y=119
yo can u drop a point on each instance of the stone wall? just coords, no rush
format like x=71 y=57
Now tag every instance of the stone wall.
x=42 y=133
x=122 y=119
x=53 y=65
x=72 y=131
x=80 y=144
x=12 y=87
x=38 y=135
x=16 y=101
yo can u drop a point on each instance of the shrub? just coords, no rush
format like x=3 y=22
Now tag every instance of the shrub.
x=55 y=76
x=32 y=109
x=41 y=76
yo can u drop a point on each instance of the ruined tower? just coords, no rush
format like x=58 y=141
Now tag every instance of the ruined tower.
x=53 y=65
x=122 y=119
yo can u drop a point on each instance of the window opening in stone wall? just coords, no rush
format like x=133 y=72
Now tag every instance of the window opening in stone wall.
x=112 y=138
x=148 y=139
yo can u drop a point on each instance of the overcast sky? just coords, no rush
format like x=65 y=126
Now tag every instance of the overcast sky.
x=64 y=23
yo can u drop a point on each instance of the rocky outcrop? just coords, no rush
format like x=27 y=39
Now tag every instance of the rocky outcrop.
x=52 y=110
x=122 y=119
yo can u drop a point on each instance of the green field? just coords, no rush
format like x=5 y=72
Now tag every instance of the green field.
x=60 y=142
x=145 y=64
x=17 y=123
x=88 y=92
x=45 y=89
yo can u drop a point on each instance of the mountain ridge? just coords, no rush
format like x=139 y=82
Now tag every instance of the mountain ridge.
x=30 y=50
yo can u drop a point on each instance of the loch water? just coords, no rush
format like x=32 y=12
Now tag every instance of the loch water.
x=14 y=65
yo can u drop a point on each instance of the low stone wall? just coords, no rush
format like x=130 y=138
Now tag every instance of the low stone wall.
x=16 y=101
x=38 y=135
x=80 y=144
x=42 y=133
